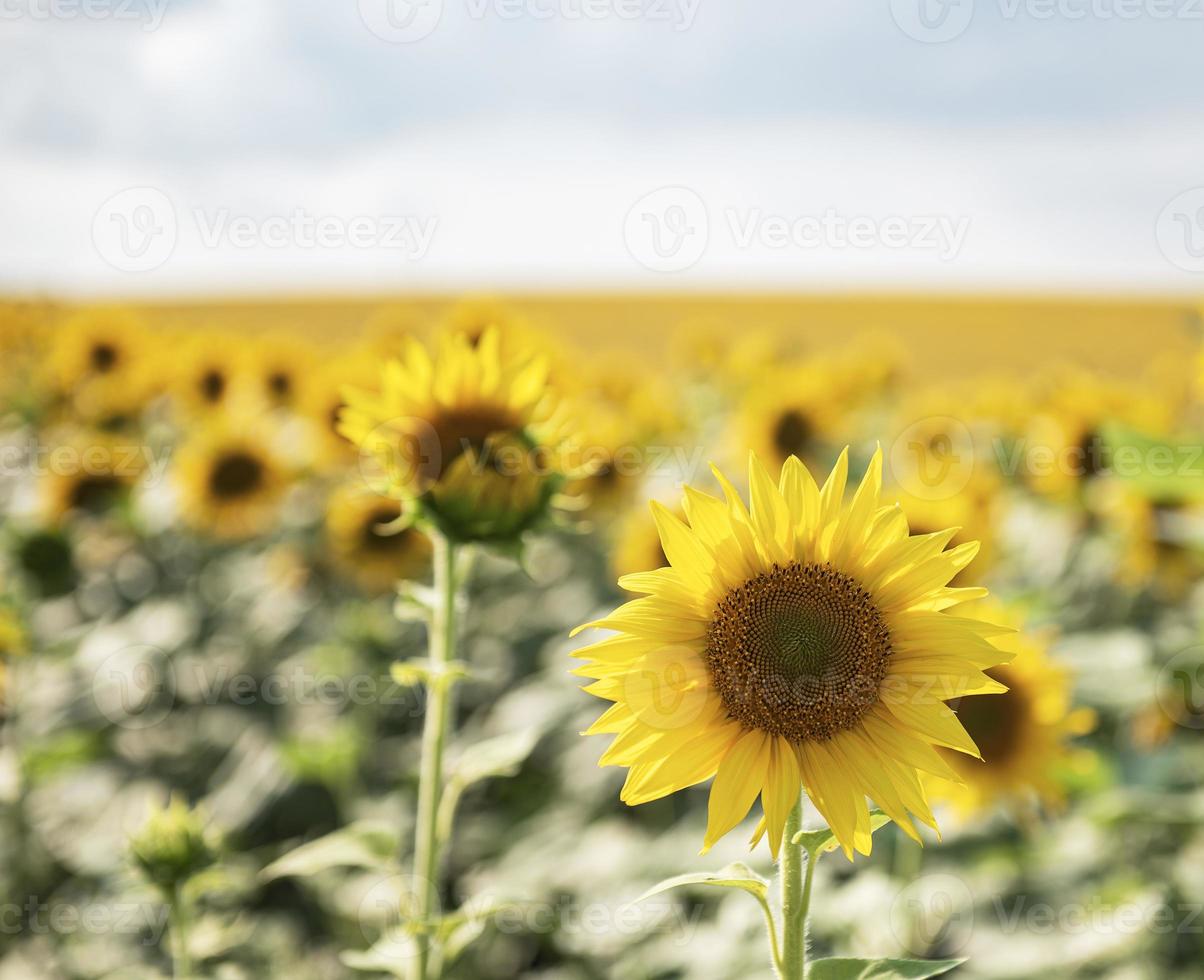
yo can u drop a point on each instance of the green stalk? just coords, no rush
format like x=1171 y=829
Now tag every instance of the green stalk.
x=435 y=727
x=796 y=899
x=181 y=964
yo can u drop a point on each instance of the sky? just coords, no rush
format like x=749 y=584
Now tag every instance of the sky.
x=203 y=147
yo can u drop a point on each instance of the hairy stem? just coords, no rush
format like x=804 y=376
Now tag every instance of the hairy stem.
x=435 y=727
x=796 y=898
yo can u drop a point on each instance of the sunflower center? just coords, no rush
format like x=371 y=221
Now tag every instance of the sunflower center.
x=799 y=651
x=995 y=721
x=213 y=385
x=95 y=493
x=1090 y=449
x=792 y=433
x=104 y=357
x=464 y=431
x=236 y=475
x=280 y=384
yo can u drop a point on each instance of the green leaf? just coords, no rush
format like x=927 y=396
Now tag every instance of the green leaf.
x=852 y=969
x=501 y=755
x=735 y=875
x=392 y=953
x=364 y=844
x=816 y=842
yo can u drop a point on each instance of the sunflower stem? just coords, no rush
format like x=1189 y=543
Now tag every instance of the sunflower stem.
x=181 y=963
x=435 y=728
x=796 y=898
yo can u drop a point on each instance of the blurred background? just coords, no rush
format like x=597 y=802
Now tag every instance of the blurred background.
x=971 y=232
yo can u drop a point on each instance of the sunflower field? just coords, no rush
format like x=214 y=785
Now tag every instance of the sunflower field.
x=888 y=649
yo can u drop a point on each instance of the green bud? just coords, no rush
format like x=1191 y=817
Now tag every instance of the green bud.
x=172 y=846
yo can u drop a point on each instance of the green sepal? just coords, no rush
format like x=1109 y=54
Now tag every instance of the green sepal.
x=817 y=842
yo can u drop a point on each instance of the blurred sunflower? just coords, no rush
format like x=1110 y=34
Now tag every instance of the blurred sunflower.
x=12 y=642
x=645 y=401
x=975 y=510
x=89 y=473
x=1066 y=436
x=322 y=403
x=230 y=482
x=210 y=366
x=802 y=644
x=703 y=349
x=467 y=436
x=613 y=467
x=363 y=546
x=280 y=363
x=792 y=411
x=102 y=363
x=1023 y=735
x=1160 y=540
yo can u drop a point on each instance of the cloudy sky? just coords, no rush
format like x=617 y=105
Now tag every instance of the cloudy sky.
x=167 y=146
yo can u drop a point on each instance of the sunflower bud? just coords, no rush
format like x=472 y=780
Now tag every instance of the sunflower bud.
x=467 y=438
x=172 y=845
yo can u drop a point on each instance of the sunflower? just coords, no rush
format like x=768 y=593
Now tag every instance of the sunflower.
x=613 y=467
x=322 y=403
x=793 y=411
x=1065 y=438
x=1160 y=539
x=645 y=401
x=802 y=643
x=209 y=371
x=102 y=363
x=467 y=436
x=89 y=473
x=279 y=366
x=517 y=336
x=230 y=482
x=363 y=546
x=1023 y=735
x=637 y=544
